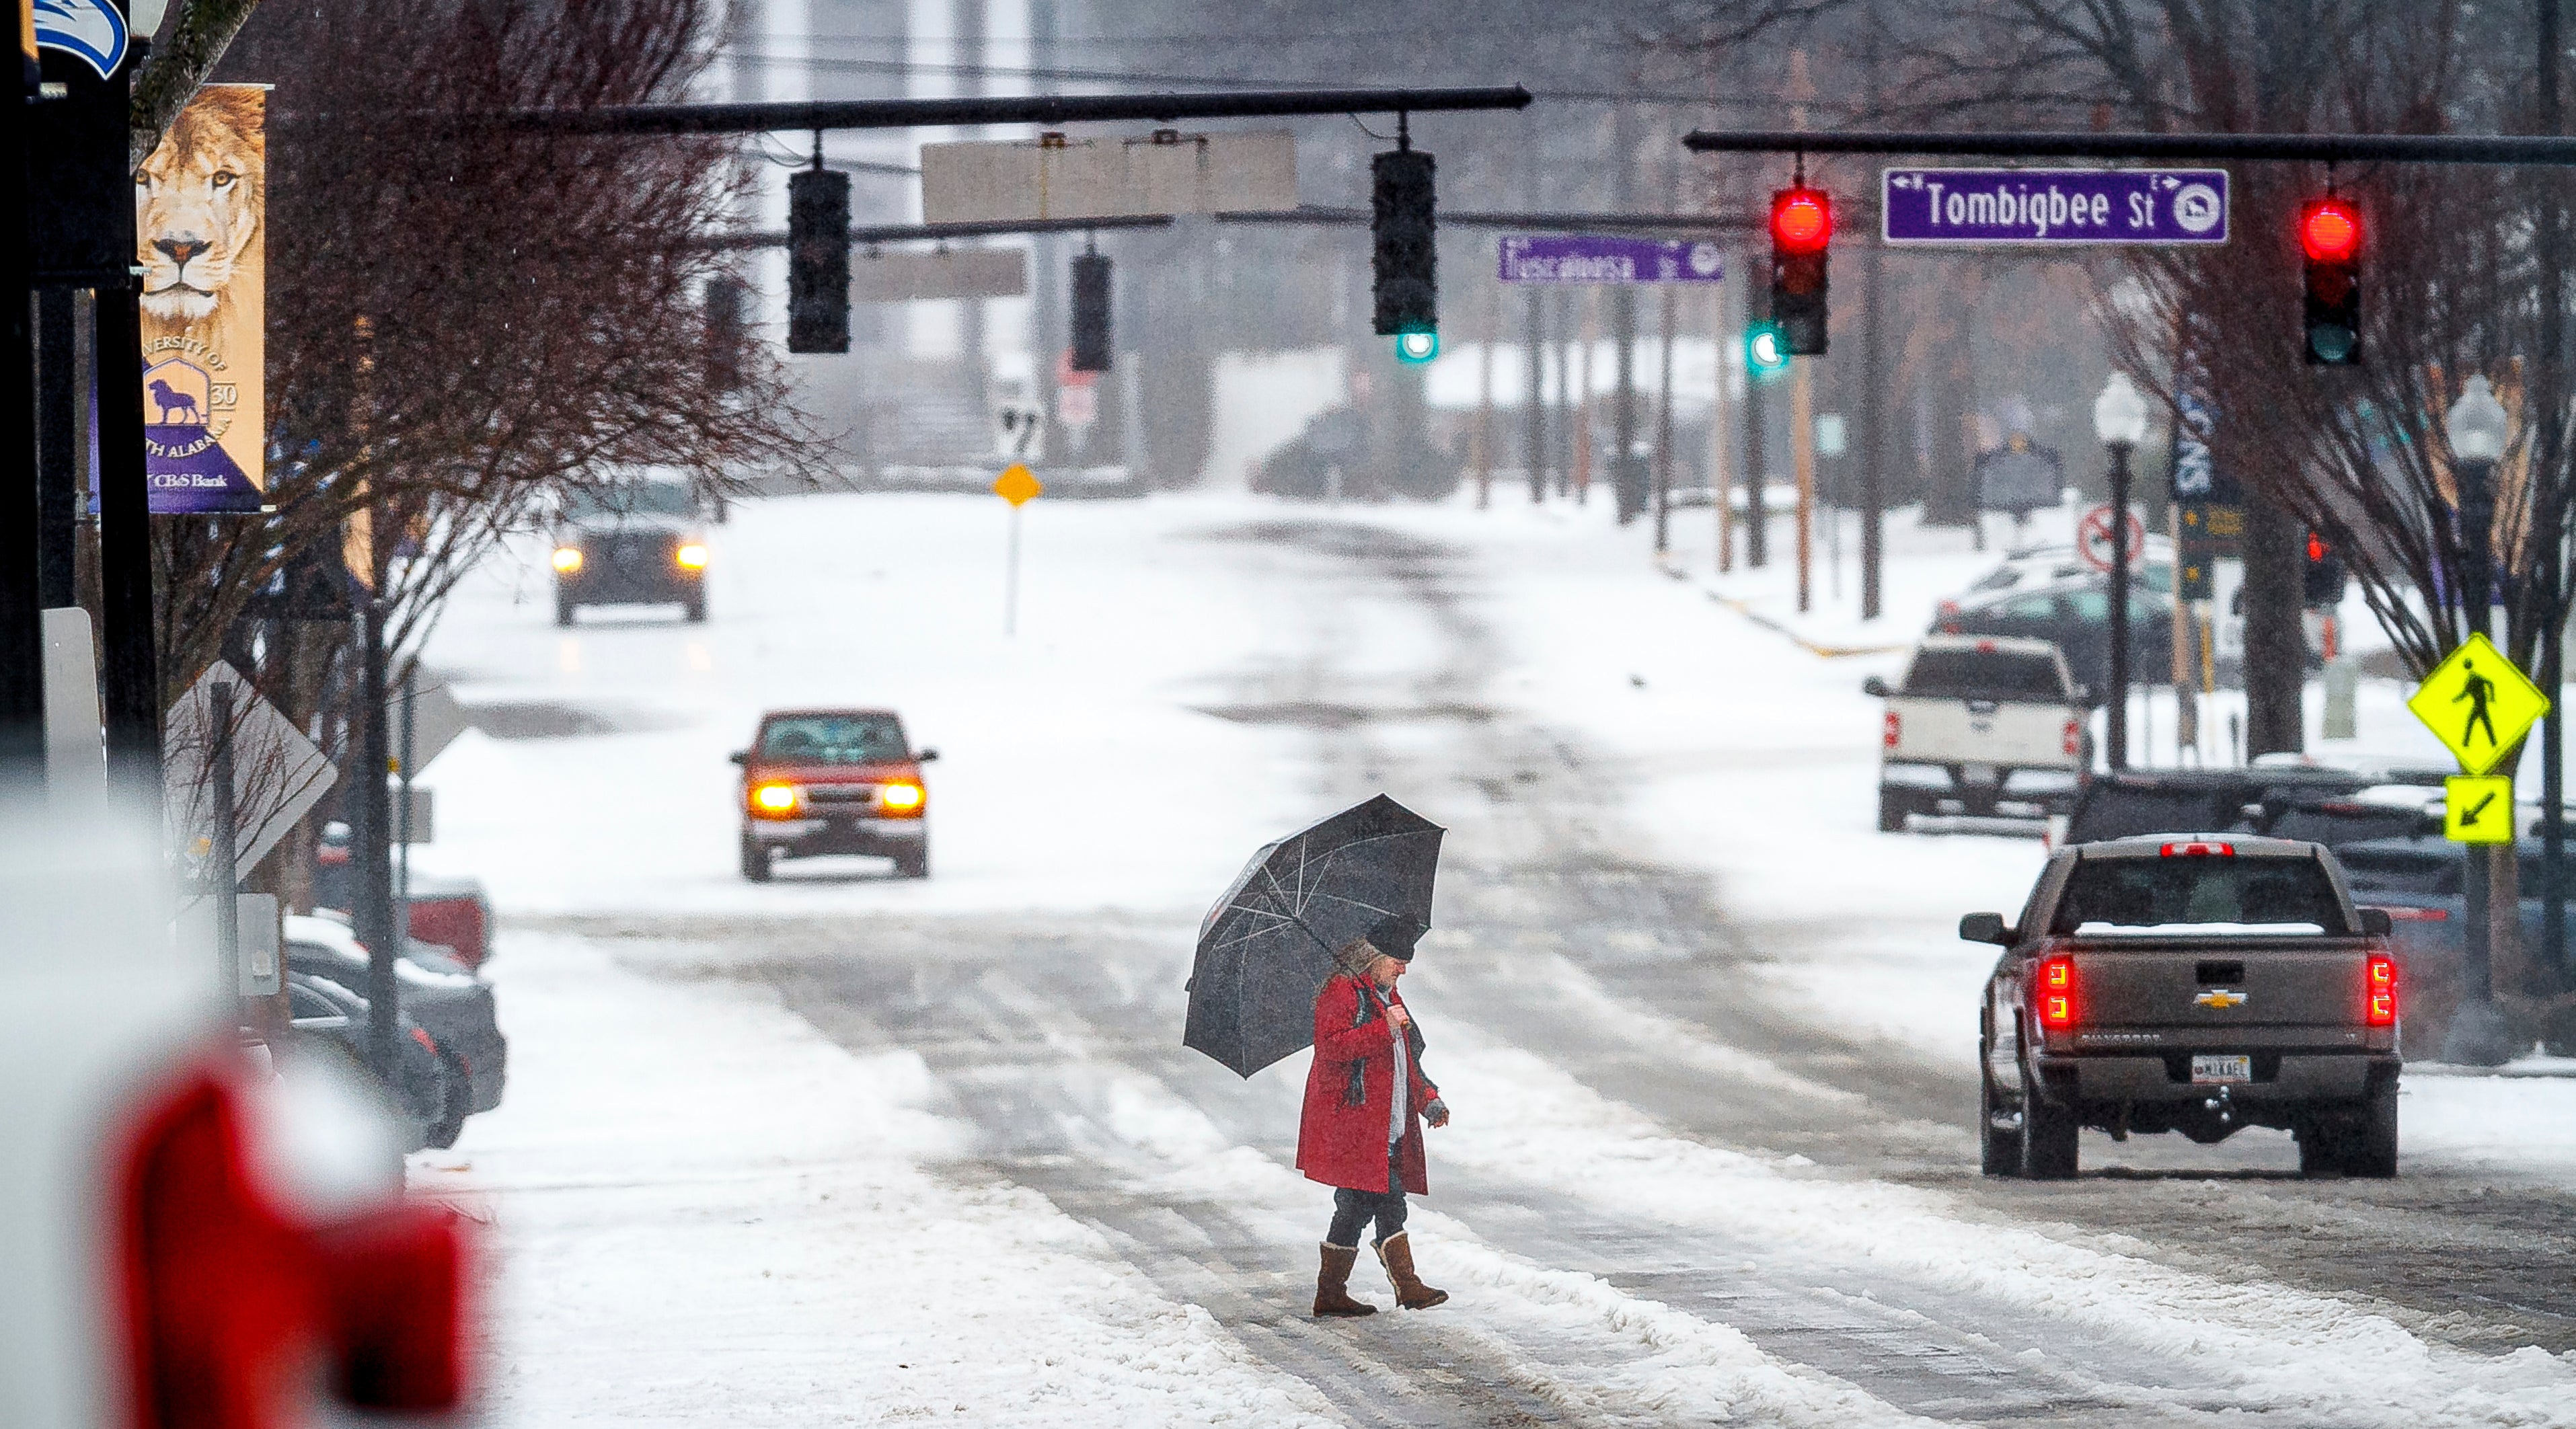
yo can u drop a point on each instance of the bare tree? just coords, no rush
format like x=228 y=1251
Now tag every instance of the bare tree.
x=465 y=324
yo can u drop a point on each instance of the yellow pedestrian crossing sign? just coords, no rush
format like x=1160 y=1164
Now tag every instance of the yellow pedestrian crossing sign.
x=2477 y=809
x=2478 y=704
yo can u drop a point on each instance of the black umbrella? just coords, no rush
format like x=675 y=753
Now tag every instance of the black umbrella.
x=1267 y=945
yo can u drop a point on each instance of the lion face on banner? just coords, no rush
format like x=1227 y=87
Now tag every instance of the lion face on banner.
x=198 y=202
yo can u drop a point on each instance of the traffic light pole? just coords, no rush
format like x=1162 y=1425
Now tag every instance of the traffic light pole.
x=2115 y=710
x=2477 y=1035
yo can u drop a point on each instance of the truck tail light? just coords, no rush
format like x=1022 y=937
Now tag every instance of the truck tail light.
x=2073 y=737
x=2417 y=915
x=2057 y=993
x=1893 y=733
x=2381 y=1009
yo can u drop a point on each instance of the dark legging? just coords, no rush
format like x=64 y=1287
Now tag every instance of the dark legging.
x=1353 y=1210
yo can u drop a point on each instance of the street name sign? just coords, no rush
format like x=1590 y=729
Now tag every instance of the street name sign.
x=1608 y=259
x=2478 y=704
x=910 y=275
x=2477 y=809
x=2053 y=206
x=1051 y=177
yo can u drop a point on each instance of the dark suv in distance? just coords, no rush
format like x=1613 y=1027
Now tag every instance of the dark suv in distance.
x=631 y=543
x=818 y=782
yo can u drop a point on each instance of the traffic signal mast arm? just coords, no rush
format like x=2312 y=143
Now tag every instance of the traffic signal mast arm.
x=1050 y=109
x=2541 y=149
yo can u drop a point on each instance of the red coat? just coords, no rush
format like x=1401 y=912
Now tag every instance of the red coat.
x=1341 y=1144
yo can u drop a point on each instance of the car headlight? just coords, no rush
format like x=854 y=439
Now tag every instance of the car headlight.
x=773 y=798
x=900 y=798
x=567 y=559
x=691 y=557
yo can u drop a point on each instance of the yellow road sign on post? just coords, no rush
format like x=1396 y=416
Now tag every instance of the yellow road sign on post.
x=2478 y=704
x=1016 y=486
x=2477 y=809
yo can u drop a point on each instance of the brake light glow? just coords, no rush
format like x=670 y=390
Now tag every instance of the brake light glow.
x=2073 y=739
x=1894 y=732
x=2057 y=1006
x=773 y=798
x=900 y=798
x=2381 y=1007
x=2199 y=850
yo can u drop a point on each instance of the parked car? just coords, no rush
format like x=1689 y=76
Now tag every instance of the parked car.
x=2421 y=881
x=427 y=1089
x=2075 y=616
x=2051 y=564
x=817 y=782
x=449 y=1000
x=1983 y=727
x=2133 y=804
x=2197 y=985
x=635 y=542
x=449 y=910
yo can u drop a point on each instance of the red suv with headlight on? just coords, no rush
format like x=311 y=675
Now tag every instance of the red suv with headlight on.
x=820 y=782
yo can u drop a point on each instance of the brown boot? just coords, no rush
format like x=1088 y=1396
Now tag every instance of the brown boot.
x=1396 y=1254
x=1333 y=1284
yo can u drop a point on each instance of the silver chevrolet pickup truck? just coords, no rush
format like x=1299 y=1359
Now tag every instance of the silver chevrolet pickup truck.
x=2192 y=983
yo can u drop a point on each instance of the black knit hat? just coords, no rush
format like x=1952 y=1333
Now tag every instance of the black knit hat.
x=1395 y=935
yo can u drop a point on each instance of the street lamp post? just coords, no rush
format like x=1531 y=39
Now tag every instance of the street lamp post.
x=2477 y=427
x=2120 y=420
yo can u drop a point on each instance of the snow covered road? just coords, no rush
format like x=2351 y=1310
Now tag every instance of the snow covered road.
x=1711 y=1160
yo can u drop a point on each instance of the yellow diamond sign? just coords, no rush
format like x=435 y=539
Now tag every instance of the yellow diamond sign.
x=2478 y=704
x=1016 y=486
x=2478 y=809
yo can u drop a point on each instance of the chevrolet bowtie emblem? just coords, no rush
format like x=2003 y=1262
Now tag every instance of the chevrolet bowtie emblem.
x=2219 y=997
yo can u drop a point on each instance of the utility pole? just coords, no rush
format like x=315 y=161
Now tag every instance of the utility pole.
x=2549 y=470
x=1534 y=398
x=1624 y=482
x=57 y=447
x=1757 y=516
x=1873 y=395
x=2276 y=640
x=1802 y=459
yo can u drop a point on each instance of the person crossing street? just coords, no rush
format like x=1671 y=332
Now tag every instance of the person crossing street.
x=1361 y=1132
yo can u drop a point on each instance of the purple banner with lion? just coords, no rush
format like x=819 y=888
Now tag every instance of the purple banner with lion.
x=201 y=235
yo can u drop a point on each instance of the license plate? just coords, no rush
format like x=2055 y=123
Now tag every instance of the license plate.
x=2211 y=1071
x=1976 y=774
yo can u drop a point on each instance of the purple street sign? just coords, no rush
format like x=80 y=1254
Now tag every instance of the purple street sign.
x=2052 y=206
x=1600 y=258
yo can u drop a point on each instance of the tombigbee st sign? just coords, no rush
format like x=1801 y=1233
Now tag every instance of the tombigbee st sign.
x=2053 y=206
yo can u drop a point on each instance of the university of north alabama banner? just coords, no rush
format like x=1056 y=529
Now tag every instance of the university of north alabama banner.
x=201 y=240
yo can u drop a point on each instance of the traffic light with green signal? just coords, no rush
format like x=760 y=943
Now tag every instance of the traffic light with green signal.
x=1766 y=351
x=1404 y=259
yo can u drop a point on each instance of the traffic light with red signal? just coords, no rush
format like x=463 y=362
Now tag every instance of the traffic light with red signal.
x=2330 y=237
x=1802 y=235
x=2322 y=585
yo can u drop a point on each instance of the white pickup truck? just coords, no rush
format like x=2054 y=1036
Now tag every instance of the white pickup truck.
x=1983 y=726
